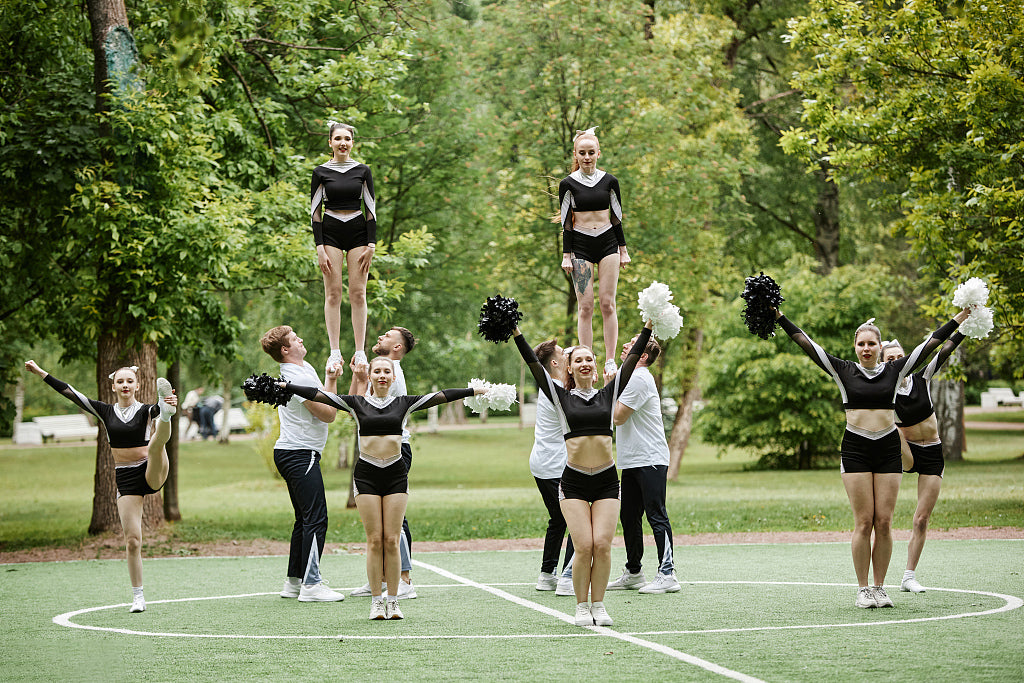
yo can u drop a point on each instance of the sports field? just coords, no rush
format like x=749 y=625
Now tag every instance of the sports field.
x=746 y=612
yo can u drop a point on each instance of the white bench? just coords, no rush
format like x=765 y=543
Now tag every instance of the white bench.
x=993 y=398
x=237 y=421
x=60 y=427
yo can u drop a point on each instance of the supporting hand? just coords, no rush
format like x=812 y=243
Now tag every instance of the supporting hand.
x=323 y=260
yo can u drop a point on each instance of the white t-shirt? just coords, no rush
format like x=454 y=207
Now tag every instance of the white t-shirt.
x=300 y=429
x=398 y=388
x=641 y=440
x=547 y=459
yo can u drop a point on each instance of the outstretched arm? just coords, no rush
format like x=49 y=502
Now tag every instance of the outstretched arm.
x=633 y=357
x=65 y=389
x=446 y=396
x=316 y=395
x=540 y=375
x=820 y=357
x=915 y=358
x=943 y=355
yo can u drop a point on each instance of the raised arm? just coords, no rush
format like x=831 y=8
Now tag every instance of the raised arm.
x=540 y=375
x=316 y=395
x=820 y=357
x=915 y=358
x=74 y=395
x=632 y=358
x=943 y=355
x=444 y=396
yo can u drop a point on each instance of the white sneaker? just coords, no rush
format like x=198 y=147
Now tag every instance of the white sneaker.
x=138 y=604
x=406 y=591
x=663 y=583
x=547 y=581
x=609 y=367
x=600 y=614
x=627 y=581
x=866 y=598
x=319 y=592
x=163 y=390
x=364 y=591
x=882 y=599
x=359 y=358
x=393 y=610
x=378 y=609
x=583 y=615
x=334 y=358
x=911 y=586
x=565 y=586
x=291 y=588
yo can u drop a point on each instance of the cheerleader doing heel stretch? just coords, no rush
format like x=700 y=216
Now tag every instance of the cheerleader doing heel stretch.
x=871 y=466
x=915 y=418
x=140 y=462
x=381 y=478
x=589 y=488
x=591 y=216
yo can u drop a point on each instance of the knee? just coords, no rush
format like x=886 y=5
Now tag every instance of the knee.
x=921 y=521
x=583 y=550
x=607 y=305
x=883 y=526
x=374 y=544
x=357 y=295
x=391 y=541
x=333 y=295
x=602 y=547
x=586 y=308
x=133 y=543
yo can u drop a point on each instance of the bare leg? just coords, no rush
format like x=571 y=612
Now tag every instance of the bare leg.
x=130 y=510
x=887 y=488
x=157 y=464
x=607 y=282
x=577 y=515
x=604 y=514
x=334 y=290
x=394 y=511
x=357 y=296
x=928 y=487
x=583 y=282
x=905 y=455
x=372 y=515
x=860 y=490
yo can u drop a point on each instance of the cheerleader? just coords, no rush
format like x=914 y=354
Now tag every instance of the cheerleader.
x=140 y=462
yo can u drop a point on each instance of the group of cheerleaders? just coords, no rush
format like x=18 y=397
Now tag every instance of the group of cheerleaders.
x=890 y=423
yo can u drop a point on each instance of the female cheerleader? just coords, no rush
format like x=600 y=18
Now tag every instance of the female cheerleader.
x=339 y=189
x=591 y=217
x=381 y=478
x=589 y=489
x=871 y=466
x=915 y=418
x=140 y=462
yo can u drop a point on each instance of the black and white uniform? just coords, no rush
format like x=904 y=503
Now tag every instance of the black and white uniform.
x=874 y=389
x=586 y=414
x=914 y=405
x=129 y=428
x=596 y=192
x=380 y=417
x=339 y=189
x=547 y=462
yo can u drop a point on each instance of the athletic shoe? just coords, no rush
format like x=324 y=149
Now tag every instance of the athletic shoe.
x=378 y=609
x=335 y=357
x=163 y=390
x=600 y=614
x=866 y=598
x=547 y=582
x=364 y=591
x=393 y=611
x=583 y=615
x=138 y=604
x=406 y=591
x=319 y=592
x=290 y=590
x=565 y=586
x=359 y=358
x=911 y=586
x=628 y=582
x=663 y=583
x=881 y=598
x=609 y=367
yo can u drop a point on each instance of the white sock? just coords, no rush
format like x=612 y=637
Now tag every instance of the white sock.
x=166 y=412
x=392 y=597
x=136 y=591
x=908 y=574
x=597 y=604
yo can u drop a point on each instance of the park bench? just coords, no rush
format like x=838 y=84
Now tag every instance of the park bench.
x=993 y=398
x=237 y=421
x=65 y=427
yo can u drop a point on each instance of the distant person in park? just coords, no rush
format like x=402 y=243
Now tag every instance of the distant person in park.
x=393 y=344
x=915 y=418
x=340 y=190
x=590 y=210
x=189 y=407
x=871 y=466
x=381 y=477
x=589 y=487
x=643 y=457
x=140 y=462
x=547 y=462
x=297 y=457
x=207 y=415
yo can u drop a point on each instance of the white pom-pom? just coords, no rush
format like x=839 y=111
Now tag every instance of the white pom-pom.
x=500 y=396
x=656 y=306
x=978 y=324
x=974 y=292
x=478 y=402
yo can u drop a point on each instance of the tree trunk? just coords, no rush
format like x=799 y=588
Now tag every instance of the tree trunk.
x=170 y=489
x=948 y=398
x=19 y=406
x=683 y=425
x=224 y=432
x=111 y=355
x=826 y=223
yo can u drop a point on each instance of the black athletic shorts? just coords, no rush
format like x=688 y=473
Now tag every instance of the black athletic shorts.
x=345 y=235
x=594 y=249
x=881 y=456
x=576 y=485
x=131 y=481
x=927 y=459
x=380 y=481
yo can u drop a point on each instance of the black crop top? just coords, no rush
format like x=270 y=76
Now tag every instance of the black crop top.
x=124 y=430
x=576 y=192
x=914 y=401
x=861 y=388
x=342 y=187
x=592 y=415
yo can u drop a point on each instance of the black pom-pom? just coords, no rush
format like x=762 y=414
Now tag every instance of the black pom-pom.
x=499 y=317
x=265 y=389
x=762 y=295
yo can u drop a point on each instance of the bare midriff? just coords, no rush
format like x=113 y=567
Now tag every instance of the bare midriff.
x=925 y=431
x=589 y=451
x=129 y=456
x=381 y=447
x=590 y=219
x=871 y=419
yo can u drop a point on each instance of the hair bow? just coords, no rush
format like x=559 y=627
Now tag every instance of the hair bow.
x=588 y=131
